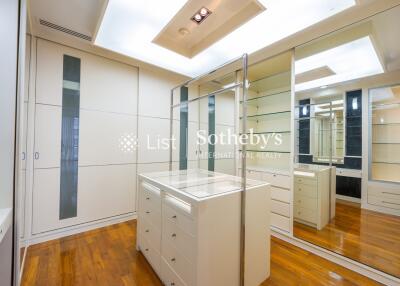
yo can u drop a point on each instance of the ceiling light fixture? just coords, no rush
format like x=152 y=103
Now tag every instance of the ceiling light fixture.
x=201 y=15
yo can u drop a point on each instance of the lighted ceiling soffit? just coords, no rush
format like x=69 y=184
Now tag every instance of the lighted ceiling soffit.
x=350 y=61
x=129 y=27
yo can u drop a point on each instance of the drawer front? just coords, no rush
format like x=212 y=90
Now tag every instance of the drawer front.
x=280 y=208
x=169 y=277
x=305 y=181
x=179 y=239
x=385 y=193
x=280 y=222
x=151 y=213
x=277 y=180
x=279 y=194
x=150 y=194
x=149 y=232
x=181 y=266
x=305 y=214
x=305 y=190
x=184 y=222
x=384 y=202
x=152 y=256
x=180 y=206
x=305 y=202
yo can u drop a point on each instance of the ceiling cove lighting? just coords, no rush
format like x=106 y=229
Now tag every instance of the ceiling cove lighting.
x=201 y=15
x=350 y=61
x=129 y=27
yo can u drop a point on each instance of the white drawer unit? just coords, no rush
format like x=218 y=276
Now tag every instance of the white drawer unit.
x=195 y=242
x=311 y=199
x=385 y=196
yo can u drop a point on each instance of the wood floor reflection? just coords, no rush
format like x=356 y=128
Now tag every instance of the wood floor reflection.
x=108 y=257
x=369 y=237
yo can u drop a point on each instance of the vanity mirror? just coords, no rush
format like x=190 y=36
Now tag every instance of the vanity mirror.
x=346 y=189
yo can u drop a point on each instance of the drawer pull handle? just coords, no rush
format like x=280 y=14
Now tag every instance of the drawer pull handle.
x=173 y=235
x=299 y=201
x=147 y=230
x=147 y=249
x=389 y=193
x=173 y=259
x=172 y=284
x=174 y=216
x=148 y=198
x=147 y=212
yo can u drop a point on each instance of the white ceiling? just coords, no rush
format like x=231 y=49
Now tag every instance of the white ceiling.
x=129 y=27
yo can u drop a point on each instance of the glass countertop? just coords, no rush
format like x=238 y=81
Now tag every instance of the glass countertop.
x=201 y=184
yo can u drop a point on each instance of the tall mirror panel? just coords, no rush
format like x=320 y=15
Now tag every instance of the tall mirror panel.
x=347 y=155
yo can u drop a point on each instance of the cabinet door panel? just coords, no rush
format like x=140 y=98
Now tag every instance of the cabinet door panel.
x=151 y=132
x=106 y=138
x=47 y=136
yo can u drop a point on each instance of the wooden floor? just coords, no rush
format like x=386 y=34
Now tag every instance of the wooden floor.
x=369 y=237
x=108 y=256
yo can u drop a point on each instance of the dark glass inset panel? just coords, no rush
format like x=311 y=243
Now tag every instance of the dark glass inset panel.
x=354 y=123
x=304 y=127
x=348 y=186
x=70 y=137
x=211 y=131
x=183 y=132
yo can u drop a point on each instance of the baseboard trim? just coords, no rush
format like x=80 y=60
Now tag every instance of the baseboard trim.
x=349 y=199
x=360 y=268
x=43 y=237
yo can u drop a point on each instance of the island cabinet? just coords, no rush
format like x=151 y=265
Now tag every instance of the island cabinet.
x=189 y=228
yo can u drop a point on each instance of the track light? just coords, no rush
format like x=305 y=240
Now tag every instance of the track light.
x=201 y=15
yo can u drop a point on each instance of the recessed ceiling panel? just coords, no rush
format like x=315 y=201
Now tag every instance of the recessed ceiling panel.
x=188 y=38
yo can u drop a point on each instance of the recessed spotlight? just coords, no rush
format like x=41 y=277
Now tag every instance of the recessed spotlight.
x=201 y=15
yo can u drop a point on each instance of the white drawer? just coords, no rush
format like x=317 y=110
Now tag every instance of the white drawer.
x=305 y=214
x=181 y=266
x=277 y=180
x=280 y=222
x=151 y=254
x=305 y=181
x=149 y=232
x=151 y=194
x=179 y=239
x=384 y=202
x=151 y=213
x=279 y=194
x=305 y=190
x=169 y=277
x=385 y=193
x=180 y=206
x=280 y=208
x=183 y=221
x=305 y=202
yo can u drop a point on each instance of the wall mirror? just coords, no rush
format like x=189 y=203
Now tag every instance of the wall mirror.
x=347 y=152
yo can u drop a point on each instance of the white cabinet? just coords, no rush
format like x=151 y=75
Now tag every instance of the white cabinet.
x=47 y=152
x=312 y=195
x=193 y=242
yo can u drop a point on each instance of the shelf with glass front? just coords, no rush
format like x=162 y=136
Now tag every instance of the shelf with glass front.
x=385 y=142
x=268 y=120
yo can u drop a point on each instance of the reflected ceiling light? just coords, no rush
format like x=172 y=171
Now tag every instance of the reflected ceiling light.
x=354 y=104
x=129 y=28
x=350 y=61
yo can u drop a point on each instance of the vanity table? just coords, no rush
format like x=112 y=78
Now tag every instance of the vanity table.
x=314 y=194
x=189 y=228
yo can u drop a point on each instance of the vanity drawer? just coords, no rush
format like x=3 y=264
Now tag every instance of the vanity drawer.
x=385 y=193
x=151 y=194
x=305 y=181
x=150 y=233
x=280 y=208
x=280 y=222
x=151 y=213
x=305 y=190
x=180 y=206
x=184 y=222
x=179 y=239
x=305 y=202
x=279 y=194
x=306 y=215
x=182 y=267
x=384 y=202
x=151 y=254
x=169 y=277
x=277 y=180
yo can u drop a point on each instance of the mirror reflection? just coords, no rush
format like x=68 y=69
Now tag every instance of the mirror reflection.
x=347 y=119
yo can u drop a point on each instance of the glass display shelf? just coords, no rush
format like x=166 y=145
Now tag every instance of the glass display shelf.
x=266 y=151
x=261 y=100
x=269 y=132
x=264 y=116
